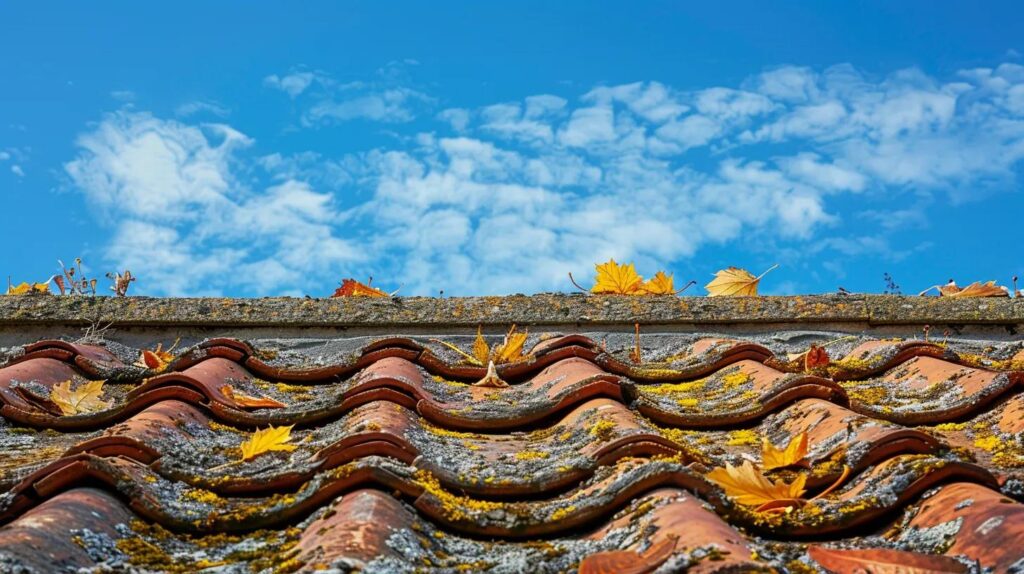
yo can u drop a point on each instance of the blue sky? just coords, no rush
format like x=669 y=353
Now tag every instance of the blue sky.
x=486 y=148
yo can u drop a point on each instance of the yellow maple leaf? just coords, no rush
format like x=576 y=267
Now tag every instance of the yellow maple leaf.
x=249 y=400
x=511 y=348
x=481 y=350
x=747 y=485
x=28 y=288
x=660 y=284
x=508 y=351
x=85 y=399
x=794 y=453
x=735 y=281
x=616 y=279
x=266 y=440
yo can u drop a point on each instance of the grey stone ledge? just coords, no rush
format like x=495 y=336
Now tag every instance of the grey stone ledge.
x=542 y=309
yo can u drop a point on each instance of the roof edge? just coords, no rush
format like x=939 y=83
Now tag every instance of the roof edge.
x=541 y=309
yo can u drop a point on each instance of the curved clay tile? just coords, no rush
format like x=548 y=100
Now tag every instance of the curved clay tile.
x=48 y=537
x=94 y=360
x=839 y=437
x=560 y=386
x=26 y=385
x=873 y=357
x=975 y=522
x=741 y=392
x=597 y=433
x=926 y=390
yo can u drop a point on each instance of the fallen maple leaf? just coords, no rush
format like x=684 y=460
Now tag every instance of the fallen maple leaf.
x=616 y=279
x=266 y=440
x=735 y=282
x=883 y=561
x=747 y=485
x=353 y=288
x=794 y=454
x=660 y=284
x=976 y=289
x=157 y=358
x=28 y=288
x=85 y=399
x=508 y=351
x=244 y=400
x=629 y=561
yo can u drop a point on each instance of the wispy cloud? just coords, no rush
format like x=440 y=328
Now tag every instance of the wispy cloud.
x=508 y=197
x=387 y=97
x=202 y=107
x=292 y=84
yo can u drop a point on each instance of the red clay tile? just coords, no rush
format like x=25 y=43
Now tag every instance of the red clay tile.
x=44 y=538
x=975 y=522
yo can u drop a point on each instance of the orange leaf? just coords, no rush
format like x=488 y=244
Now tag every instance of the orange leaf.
x=747 y=485
x=243 y=400
x=976 y=289
x=353 y=288
x=816 y=357
x=883 y=561
x=157 y=359
x=794 y=453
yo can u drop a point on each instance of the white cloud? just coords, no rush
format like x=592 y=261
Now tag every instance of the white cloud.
x=390 y=105
x=292 y=84
x=201 y=107
x=508 y=197
x=458 y=118
x=185 y=223
x=17 y=170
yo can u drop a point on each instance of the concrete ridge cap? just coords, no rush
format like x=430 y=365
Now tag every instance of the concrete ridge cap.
x=545 y=309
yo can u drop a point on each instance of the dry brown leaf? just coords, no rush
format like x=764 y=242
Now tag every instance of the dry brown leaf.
x=794 y=454
x=244 y=400
x=883 y=561
x=976 y=289
x=613 y=278
x=87 y=398
x=266 y=440
x=353 y=288
x=747 y=485
x=735 y=282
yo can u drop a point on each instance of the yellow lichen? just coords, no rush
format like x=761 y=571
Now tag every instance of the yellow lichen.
x=531 y=455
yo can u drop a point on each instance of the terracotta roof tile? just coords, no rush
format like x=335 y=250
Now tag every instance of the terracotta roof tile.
x=586 y=460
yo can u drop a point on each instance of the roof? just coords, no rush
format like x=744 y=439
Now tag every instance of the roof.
x=592 y=458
